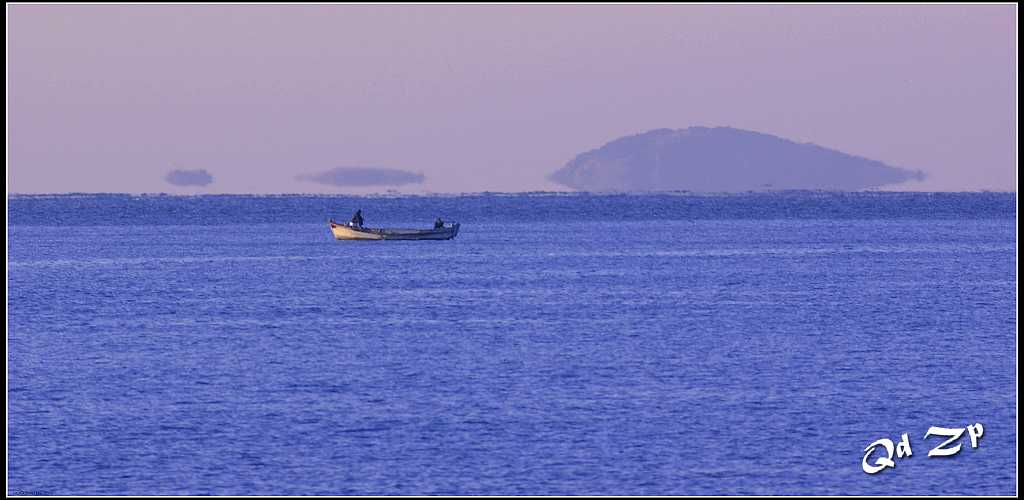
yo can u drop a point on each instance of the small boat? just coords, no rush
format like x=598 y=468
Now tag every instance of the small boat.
x=353 y=232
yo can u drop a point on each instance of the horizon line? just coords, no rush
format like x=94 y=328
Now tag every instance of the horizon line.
x=534 y=192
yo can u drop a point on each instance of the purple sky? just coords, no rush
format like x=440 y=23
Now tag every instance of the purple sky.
x=483 y=97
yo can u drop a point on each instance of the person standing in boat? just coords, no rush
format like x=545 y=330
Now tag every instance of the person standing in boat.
x=438 y=224
x=357 y=219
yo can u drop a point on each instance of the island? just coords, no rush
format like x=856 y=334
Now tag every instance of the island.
x=362 y=176
x=722 y=159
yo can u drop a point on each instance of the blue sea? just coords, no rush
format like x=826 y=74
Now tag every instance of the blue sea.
x=645 y=344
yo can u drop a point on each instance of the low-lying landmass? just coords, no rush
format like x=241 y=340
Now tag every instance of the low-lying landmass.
x=722 y=159
x=363 y=176
x=199 y=177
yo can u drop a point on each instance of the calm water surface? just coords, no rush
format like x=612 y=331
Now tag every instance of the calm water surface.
x=642 y=344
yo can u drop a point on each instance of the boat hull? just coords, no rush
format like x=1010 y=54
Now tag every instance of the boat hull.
x=347 y=232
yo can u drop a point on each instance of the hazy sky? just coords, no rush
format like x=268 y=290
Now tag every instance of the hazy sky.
x=491 y=97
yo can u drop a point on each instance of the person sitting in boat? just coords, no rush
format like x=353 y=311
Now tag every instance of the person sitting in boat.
x=439 y=223
x=357 y=219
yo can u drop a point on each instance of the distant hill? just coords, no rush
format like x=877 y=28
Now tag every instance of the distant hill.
x=721 y=159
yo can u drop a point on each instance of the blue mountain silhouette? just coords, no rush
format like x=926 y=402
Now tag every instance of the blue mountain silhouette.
x=721 y=159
